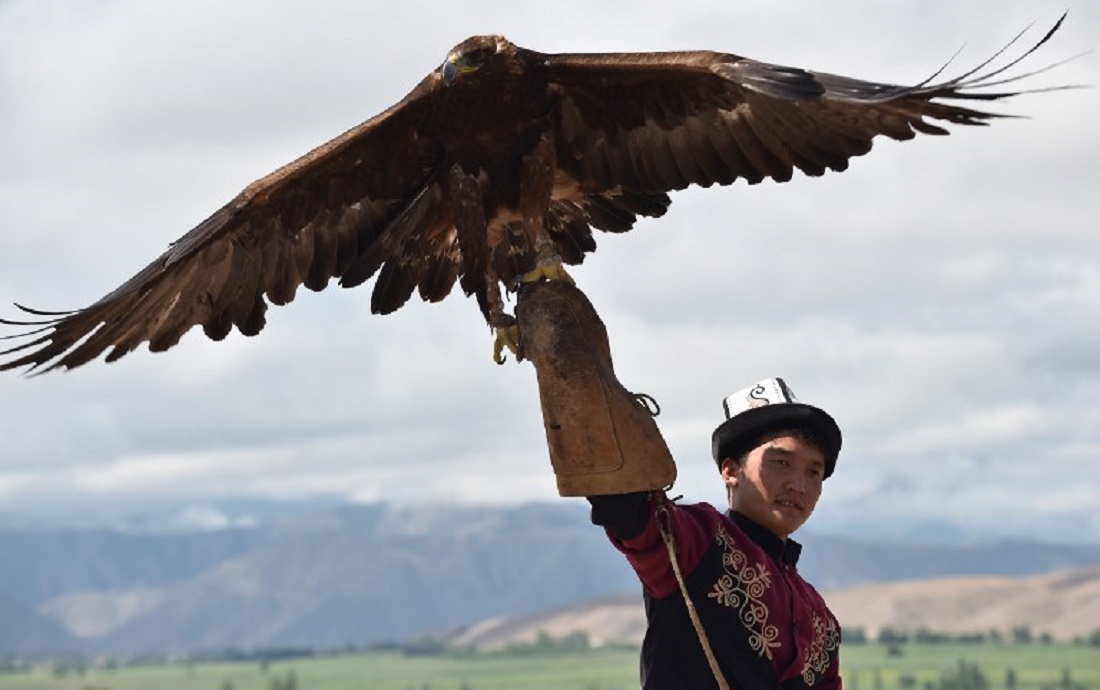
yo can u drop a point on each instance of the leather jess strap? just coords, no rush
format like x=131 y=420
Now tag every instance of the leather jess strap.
x=662 y=516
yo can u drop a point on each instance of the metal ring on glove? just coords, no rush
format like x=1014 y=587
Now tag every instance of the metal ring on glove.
x=647 y=401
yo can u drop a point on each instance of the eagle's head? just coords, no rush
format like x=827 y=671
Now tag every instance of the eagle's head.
x=474 y=54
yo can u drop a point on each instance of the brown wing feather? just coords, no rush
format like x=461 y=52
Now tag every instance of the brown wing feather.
x=661 y=121
x=306 y=223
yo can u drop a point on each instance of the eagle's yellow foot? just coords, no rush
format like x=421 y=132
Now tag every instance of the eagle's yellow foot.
x=504 y=325
x=507 y=336
x=551 y=271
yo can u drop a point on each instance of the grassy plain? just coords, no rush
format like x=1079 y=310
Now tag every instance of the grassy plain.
x=865 y=667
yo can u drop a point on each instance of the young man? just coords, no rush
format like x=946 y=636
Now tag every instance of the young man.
x=730 y=610
x=764 y=625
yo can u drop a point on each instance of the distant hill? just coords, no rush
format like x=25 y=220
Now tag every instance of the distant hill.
x=358 y=575
x=351 y=576
x=23 y=632
x=1063 y=604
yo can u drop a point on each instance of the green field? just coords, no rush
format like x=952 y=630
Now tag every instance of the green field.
x=865 y=667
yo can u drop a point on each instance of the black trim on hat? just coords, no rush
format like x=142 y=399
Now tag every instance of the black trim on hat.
x=733 y=437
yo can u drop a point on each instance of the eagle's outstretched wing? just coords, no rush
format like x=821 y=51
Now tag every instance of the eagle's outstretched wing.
x=305 y=223
x=663 y=121
x=626 y=129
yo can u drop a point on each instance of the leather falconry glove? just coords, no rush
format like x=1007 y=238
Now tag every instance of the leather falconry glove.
x=602 y=438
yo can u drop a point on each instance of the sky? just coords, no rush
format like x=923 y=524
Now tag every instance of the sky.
x=941 y=298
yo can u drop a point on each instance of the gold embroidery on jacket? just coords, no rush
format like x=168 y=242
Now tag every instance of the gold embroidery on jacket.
x=826 y=640
x=742 y=587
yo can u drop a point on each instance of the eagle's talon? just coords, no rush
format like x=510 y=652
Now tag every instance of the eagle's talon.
x=507 y=336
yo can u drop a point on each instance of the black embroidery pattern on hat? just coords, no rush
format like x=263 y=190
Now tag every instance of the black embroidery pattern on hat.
x=757 y=396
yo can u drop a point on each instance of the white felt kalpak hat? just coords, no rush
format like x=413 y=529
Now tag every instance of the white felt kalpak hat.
x=766 y=406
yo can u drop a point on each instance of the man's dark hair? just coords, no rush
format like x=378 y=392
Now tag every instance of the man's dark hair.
x=803 y=434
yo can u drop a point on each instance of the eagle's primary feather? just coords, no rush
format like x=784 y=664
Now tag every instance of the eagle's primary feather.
x=502 y=159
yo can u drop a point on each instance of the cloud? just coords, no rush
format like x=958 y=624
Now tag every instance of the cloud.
x=941 y=297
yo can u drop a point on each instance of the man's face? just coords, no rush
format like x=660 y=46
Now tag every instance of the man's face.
x=778 y=483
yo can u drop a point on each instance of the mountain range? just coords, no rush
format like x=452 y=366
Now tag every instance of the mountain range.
x=355 y=575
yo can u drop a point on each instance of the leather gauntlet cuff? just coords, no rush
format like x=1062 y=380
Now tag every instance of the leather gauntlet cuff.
x=602 y=439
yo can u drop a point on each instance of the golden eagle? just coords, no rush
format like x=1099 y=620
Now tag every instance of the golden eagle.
x=497 y=167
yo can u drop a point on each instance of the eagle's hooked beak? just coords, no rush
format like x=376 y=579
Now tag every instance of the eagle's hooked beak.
x=456 y=64
x=450 y=69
